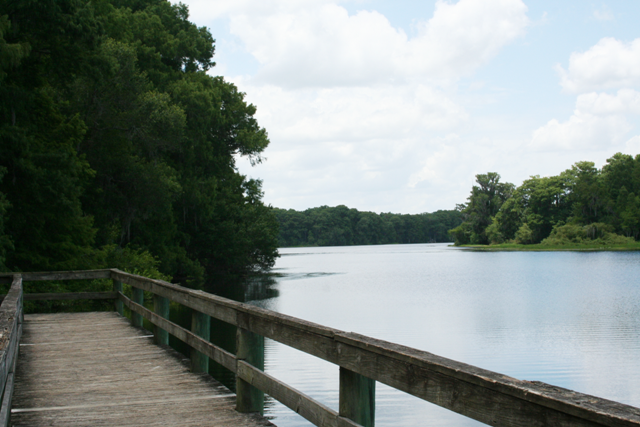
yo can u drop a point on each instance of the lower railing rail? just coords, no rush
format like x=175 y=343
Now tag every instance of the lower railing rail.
x=486 y=396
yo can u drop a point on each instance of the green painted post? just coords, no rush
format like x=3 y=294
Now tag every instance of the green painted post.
x=201 y=326
x=138 y=298
x=250 y=348
x=161 y=308
x=117 y=287
x=357 y=398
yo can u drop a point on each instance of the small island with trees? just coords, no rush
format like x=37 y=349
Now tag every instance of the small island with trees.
x=582 y=208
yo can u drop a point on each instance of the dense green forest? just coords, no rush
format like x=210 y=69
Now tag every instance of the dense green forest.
x=117 y=144
x=340 y=226
x=581 y=205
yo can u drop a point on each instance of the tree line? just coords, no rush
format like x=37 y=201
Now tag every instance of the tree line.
x=579 y=205
x=118 y=145
x=341 y=226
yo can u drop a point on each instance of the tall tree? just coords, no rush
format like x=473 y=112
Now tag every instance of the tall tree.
x=484 y=202
x=587 y=194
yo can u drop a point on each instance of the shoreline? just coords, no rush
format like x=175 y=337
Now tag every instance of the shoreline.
x=542 y=248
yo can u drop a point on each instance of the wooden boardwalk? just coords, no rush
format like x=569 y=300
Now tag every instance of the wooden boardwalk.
x=95 y=369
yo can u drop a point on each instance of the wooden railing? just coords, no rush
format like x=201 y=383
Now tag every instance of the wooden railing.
x=10 y=333
x=486 y=396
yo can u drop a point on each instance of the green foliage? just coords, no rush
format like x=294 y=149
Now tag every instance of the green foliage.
x=11 y=54
x=115 y=137
x=484 y=203
x=341 y=226
x=134 y=261
x=582 y=204
x=5 y=241
x=44 y=182
x=524 y=235
x=509 y=218
x=628 y=210
x=493 y=232
x=461 y=234
x=568 y=233
x=543 y=204
x=587 y=193
x=593 y=234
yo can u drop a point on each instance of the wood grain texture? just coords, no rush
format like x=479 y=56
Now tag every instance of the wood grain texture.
x=67 y=296
x=59 y=275
x=216 y=353
x=200 y=326
x=250 y=349
x=357 y=398
x=117 y=287
x=314 y=411
x=138 y=298
x=490 y=397
x=212 y=305
x=94 y=369
x=10 y=334
x=309 y=408
x=161 y=308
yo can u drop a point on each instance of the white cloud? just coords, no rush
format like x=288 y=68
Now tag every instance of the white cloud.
x=438 y=163
x=349 y=138
x=599 y=120
x=581 y=131
x=352 y=114
x=463 y=36
x=209 y=10
x=321 y=45
x=610 y=64
x=626 y=101
x=356 y=109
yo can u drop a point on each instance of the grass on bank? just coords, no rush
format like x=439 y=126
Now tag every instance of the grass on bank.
x=565 y=237
x=540 y=247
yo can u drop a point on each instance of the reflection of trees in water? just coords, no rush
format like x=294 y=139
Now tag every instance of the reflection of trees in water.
x=260 y=291
x=256 y=290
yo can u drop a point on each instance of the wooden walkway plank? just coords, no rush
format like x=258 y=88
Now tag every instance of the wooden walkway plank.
x=95 y=369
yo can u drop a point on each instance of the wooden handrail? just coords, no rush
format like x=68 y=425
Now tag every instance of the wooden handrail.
x=486 y=396
x=10 y=333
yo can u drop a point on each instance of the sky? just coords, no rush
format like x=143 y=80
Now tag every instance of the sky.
x=396 y=106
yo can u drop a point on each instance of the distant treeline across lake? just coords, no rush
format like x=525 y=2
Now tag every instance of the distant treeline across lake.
x=341 y=226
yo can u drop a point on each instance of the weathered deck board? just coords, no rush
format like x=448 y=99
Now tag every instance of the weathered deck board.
x=94 y=369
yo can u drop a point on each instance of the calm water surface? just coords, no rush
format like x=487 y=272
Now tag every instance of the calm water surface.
x=567 y=318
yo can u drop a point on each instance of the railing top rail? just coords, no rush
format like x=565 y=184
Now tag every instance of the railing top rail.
x=437 y=379
x=10 y=332
x=372 y=354
x=9 y=309
x=58 y=275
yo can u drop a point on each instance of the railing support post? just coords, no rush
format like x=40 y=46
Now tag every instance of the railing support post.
x=161 y=308
x=250 y=348
x=138 y=298
x=117 y=287
x=201 y=326
x=357 y=398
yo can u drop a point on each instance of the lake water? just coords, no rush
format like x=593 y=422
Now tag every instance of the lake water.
x=570 y=319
